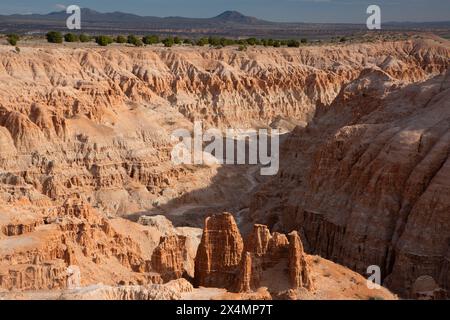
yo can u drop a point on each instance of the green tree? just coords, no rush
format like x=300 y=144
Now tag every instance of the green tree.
x=177 y=40
x=84 y=38
x=213 y=41
x=71 y=37
x=168 y=42
x=54 y=37
x=152 y=39
x=202 y=42
x=12 y=39
x=120 y=39
x=293 y=43
x=226 y=42
x=188 y=41
x=242 y=47
x=252 y=41
x=303 y=40
x=132 y=39
x=103 y=40
x=277 y=43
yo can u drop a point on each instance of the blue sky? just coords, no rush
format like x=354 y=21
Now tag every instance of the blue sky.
x=352 y=11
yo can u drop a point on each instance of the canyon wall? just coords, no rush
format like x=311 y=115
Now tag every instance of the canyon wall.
x=367 y=181
x=85 y=137
x=74 y=245
x=222 y=262
x=97 y=122
x=268 y=265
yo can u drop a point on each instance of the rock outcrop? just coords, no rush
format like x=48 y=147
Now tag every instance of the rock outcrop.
x=168 y=258
x=85 y=139
x=258 y=241
x=298 y=267
x=219 y=253
x=67 y=250
x=97 y=122
x=367 y=182
x=222 y=262
x=246 y=276
x=169 y=291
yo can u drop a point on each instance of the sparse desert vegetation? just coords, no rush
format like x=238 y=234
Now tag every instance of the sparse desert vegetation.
x=12 y=39
x=214 y=42
x=54 y=37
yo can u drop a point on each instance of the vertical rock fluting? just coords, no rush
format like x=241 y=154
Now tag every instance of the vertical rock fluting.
x=368 y=181
x=245 y=277
x=222 y=262
x=277 y=248
x=258 y=240
x=219 y=253
x=298 y=267
x=368 y=185
x=74 y=246
x=168 y=257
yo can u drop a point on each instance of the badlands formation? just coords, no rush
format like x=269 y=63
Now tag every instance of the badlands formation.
x=91 y=205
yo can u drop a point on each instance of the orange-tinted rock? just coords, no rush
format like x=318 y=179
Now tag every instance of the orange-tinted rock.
x=367 y=183
x=258 y=240
x=219 y=253
x=220 y=261
x=298 y=267
x=70 y=256
x=245 y=275
x=74 y=235
x=277 y=248
x=51 y=275
x=168 y=257
x=369 y=178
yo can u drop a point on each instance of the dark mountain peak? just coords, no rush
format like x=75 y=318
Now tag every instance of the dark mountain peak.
x=235 y=16
x=84 y=12
x=230 y=14
x=89 y=11
x=90 y=15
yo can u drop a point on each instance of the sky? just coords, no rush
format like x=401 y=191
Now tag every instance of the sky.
x=342 y=11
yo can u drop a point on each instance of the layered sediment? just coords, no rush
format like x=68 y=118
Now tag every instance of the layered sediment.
x=366 y=182
x=222 y=262
x=85 y=138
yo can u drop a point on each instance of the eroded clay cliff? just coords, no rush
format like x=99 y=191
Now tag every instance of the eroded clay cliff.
x=97 y=122
x=271 y=266
x=222 y=262
x=367 y=181
x=85 y=136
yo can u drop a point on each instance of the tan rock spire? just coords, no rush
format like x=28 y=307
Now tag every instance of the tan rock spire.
x=298 y=267
x=168 y=257
x=219 y=253
x=258 y=241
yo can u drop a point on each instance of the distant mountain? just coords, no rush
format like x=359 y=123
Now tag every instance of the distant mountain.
x=237 y=17
x=228 y=23
x=89 y=15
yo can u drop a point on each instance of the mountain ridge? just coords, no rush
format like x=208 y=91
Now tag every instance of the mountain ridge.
x=226 y=16
x=227 y=24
